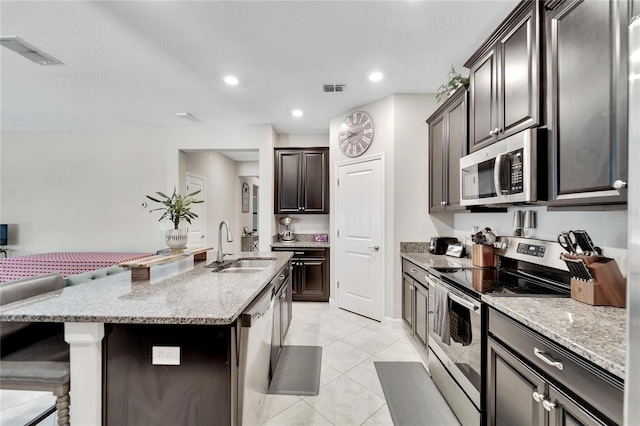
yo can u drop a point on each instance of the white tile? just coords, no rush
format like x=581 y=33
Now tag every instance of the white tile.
x=395 y=333
x=327 y=374
x=12 y=398
x=365 y=375
x=345 y=402
x=275 y=404
x=300 y=413
x=342 y=356
x=399 y=351
x=382 y=417
x=358 y=319
x=27 y=411
x=368 y=340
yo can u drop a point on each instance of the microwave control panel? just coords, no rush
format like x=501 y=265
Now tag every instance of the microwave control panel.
x=517 y=172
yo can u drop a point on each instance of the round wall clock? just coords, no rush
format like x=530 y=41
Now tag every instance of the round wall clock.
x=356 y=134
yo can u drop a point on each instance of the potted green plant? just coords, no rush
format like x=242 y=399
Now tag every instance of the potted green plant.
x=176 y=208
x=454 y=80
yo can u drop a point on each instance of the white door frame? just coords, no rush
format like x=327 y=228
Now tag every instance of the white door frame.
x=204 y=205
x=336 y=225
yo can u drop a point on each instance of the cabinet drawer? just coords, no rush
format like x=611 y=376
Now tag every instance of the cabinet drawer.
x=588 y=382
x=304 y=252
x=415 y=272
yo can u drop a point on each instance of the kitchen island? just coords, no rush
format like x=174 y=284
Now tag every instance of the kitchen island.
x=180 y=299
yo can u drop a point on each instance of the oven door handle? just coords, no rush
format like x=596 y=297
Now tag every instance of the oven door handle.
x=467 y=304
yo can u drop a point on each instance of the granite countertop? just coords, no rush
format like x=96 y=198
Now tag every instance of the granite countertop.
x=597 y=333
x=178 y=293
x=300 y=244
x=428 y=260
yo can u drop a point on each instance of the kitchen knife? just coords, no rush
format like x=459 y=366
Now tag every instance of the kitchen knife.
x=567 y=242
x=586 y=243
x=579 y=269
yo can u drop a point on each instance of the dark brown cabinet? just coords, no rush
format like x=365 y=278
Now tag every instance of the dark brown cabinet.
x=447 y=143
x=504 y=90
x=587 y=101
x=301 y=181
x=533 y=381
x=415 y=301
x=310 y=274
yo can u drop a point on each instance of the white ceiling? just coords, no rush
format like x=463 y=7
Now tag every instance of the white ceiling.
x=134 y=64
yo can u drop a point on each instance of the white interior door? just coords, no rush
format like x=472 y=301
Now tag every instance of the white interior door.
x=360 y=253
x=195 y=230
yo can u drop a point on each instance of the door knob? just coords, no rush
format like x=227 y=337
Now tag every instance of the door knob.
x=619 y=184
x=491 y=132
x=376 y=248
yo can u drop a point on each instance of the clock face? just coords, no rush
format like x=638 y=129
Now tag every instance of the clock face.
x=356 y=133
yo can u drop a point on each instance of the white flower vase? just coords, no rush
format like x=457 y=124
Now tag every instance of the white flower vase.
x=176 y=239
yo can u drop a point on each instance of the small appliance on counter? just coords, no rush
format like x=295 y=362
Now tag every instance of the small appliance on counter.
x=286 y=235
x=439 y=245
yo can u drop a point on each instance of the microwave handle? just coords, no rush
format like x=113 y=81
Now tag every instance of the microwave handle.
x=496 y=175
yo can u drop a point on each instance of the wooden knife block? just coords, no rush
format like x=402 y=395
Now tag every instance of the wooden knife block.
x=483 y=256
x=609 y=287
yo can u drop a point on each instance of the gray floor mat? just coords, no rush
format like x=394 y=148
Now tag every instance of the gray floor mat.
x=297 y=371
x=412 y=397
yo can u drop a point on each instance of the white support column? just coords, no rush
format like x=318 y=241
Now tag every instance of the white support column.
x=85 y=346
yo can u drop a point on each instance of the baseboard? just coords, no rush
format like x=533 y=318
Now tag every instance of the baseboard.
x=333 y=303
x=392 y=322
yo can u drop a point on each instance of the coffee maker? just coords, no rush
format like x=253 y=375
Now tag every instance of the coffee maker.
x=286 y=234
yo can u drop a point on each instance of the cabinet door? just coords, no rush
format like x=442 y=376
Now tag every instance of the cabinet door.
x=315 y=174
x=437 y=161
x=313 y=282
x=407 y=300
x=456 y=149
x=511 y=386
x=421 y=316
x=564 y=411
x=519 y=74
x=288 y=185
x=285 y=308
x=482 y=102
x=587 y=45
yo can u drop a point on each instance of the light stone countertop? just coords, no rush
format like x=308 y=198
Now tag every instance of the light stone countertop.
x=300 y=244
x=428 y=260
x=597 y=333
x=178 y=293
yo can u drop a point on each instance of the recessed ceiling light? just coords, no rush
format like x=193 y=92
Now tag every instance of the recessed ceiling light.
x=231 y=80
x=187 y=116
x=30 y=52
x=296 y=113
x=376 y=76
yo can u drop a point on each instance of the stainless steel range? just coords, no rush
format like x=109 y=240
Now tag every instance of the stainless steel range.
x=457 y=316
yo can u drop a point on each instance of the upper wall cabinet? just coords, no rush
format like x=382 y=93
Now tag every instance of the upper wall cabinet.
x=447 y=143
x=504 y=91
x=587 y=101
x=301 y=181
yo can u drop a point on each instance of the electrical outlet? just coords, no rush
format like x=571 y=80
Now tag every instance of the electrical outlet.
x=165 y=355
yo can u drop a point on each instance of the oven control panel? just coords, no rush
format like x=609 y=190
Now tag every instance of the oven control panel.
x=531 y=249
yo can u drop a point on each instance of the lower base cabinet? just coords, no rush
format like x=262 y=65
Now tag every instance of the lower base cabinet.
x=521 y=392
x=310 y=274
x=415 y=301
x=282 y=312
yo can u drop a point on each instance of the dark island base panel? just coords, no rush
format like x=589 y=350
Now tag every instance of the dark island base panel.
x=136 y=392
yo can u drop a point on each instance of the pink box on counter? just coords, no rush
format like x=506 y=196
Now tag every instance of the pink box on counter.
x=321 y=238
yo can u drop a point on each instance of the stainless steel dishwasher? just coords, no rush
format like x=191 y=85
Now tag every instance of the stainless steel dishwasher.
x=254 y=351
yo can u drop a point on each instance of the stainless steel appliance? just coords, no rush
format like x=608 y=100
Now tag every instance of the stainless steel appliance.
x=632 y=385
x=438 y=245
x=509 y=171
x=256 y=328
x=286 y=234
x=457 y=343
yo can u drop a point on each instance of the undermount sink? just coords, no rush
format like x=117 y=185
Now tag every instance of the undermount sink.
x=244 y=265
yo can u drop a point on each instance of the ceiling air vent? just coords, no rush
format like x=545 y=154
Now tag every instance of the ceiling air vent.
x=333 y=88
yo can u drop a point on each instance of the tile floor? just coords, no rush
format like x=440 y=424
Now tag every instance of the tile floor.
x=350 y=393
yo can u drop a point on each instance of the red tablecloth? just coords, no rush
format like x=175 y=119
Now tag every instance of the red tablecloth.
x=15 y=268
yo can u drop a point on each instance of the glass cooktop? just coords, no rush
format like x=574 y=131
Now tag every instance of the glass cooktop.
x=499 y=282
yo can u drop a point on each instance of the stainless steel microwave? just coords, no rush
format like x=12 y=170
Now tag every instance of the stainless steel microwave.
x=505 y=172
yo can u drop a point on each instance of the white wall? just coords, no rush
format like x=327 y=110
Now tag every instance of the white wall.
x=302 y=140
x=401 y=136
x=82 y=191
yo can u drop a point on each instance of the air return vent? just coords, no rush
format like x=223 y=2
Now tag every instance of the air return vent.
x=333 y=88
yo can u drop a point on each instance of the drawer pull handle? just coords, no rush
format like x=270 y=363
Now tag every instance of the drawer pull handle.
x=537 y=397
x=548 y=405
x=413 y=270
x=540 y=354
